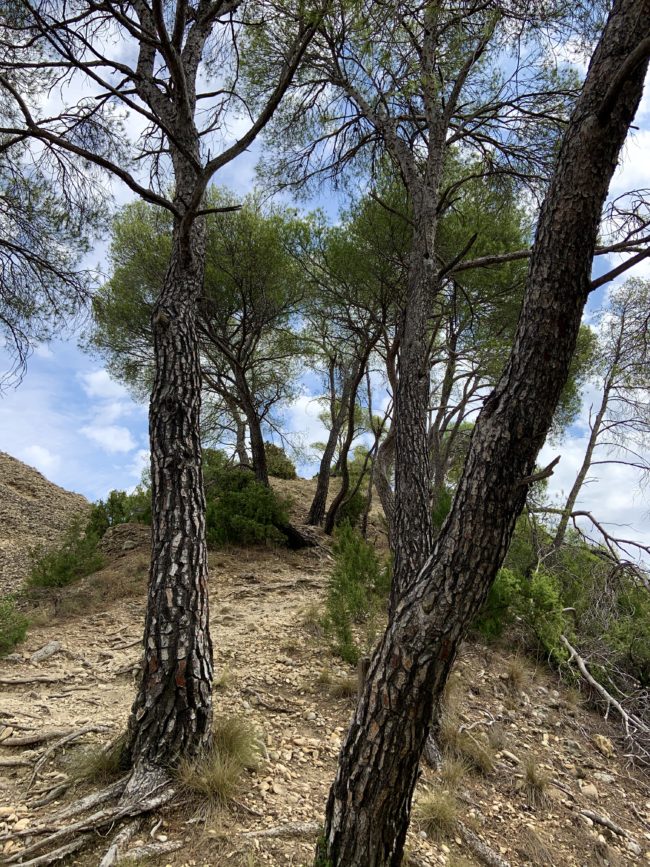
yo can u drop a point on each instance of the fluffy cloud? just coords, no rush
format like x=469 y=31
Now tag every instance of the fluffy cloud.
x=111 y=438
x=99 y=384
x=41 y=458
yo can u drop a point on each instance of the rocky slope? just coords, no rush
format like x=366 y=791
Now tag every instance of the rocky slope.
x=556 y=783
x=33 y=511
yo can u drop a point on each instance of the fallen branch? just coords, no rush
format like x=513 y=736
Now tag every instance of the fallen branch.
x=481 y=849
x=633 y=724
x=43 y=678
x=260 y=700
x=293 y=829
x=29 y=740
x=607 y=823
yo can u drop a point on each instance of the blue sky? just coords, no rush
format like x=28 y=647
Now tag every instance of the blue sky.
x=84 y=432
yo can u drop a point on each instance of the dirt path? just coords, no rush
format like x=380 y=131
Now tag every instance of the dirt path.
x=273 y=668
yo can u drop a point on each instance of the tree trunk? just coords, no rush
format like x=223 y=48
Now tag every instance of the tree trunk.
x=172 y=712
x=335 y=505
x=383 y=470
x=369 y=803
x=318 y=504
x=258 y=452
x=411 y=531
x=584 y=469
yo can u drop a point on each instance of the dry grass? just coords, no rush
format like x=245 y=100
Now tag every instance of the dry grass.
x=464 y=745
x=344 y=687
x=325 y=677
x=312 y=620
x=533 y=849
x=453 y=772
x=214 y=778
x=98 y=764
x=437 y=813
x=516 y=675
x=536 y=781
x=496 y=736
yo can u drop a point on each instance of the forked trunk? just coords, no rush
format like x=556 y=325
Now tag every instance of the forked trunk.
x=171 y=715
x=369 y=804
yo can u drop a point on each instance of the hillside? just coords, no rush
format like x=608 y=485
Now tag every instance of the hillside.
x=33 y=511
x=557 y=775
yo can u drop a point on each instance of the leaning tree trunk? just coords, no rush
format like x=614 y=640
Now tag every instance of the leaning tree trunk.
x=171 y=715
x=318 y=504
x=369 y=804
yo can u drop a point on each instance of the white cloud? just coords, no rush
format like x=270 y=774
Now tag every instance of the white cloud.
x=99 y=384
x=111 y=438
x=41 y=458
x=43 y=351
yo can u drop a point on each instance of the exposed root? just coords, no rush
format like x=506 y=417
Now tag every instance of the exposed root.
x=90 y=801
x=149 y=851
x=58 y=854
x=52 y=794
x=94 y=822
x=607 y=823
x=119 y=841
x=66 y=739
x=42 y=678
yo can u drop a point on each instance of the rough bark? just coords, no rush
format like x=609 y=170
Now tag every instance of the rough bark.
x=369 y=804
x=172 y=711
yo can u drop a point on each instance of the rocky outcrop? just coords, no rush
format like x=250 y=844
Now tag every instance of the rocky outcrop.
x=33 y=511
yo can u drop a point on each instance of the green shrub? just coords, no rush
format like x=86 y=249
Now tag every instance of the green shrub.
x=239 y=510
x=352 y=508
x=356 y=589
x=277 y=462
x=120 y=508
x=13 y=625
x=76 y=556
x=535 y=602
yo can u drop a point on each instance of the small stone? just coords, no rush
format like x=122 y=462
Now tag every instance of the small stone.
x=604 y=746
x=423 y=835
x=6 y=811
x=161 y=837
x=633 y=846
x=21 y=825
x=589 y=791
x=129 y=545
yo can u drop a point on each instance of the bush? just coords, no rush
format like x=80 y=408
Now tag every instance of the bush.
x=357 y=587
x=277 y=462
x=13 y=625
x=239 y=510
x=76 y=556
x=120 y=508
x=534 y=602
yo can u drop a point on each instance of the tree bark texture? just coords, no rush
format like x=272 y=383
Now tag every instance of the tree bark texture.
x=411 y=530
x=369 y=804
x=172 y=711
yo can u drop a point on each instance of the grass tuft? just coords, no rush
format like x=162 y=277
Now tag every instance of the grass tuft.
x=461 y=744
x=437 y=813
x=453 y=771
x=99 y=764
x=536 y=782
x=516 y=675
x=215 y=776
x=344 y=687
